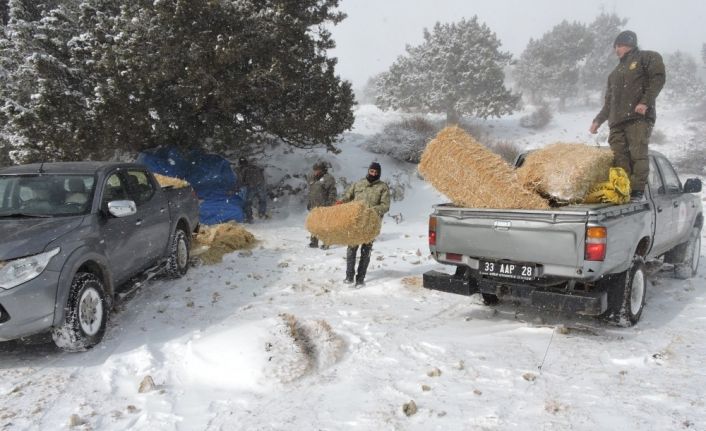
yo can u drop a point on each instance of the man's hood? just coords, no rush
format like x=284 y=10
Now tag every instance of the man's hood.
x=28 y=236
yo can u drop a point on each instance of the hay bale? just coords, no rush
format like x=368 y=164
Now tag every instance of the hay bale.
x=166 y=181
x=471 y=175
x=352 y=223
x=566 y=171
x=212 y=242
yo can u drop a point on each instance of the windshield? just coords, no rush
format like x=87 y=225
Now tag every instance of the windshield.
x=45 y=195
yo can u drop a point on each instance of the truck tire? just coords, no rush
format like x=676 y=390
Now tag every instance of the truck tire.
x=85 y=317
x=690 y=262
x=178 y=259
x=626 y=294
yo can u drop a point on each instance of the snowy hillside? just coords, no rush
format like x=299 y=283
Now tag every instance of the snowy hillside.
x=271 y=339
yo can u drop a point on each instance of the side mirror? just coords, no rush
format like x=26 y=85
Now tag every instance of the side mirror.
x=122 y=208
x=693 y=185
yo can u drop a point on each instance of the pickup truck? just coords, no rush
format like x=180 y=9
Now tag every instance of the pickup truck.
x=72 y=233
x=587 y=259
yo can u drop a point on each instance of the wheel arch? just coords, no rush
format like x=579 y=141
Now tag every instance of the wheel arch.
x=81 y=260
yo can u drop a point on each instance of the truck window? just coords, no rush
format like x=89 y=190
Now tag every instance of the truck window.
x=114 y=189
x=654 y=180
x=670 y=177
x=140 y=187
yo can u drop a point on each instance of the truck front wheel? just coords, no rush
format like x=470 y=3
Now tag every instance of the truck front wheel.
x=85 y=315
x=626 y=294
x=690 y=263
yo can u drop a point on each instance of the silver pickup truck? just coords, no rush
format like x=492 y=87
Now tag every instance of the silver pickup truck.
x=588 y=259
x=71 y=233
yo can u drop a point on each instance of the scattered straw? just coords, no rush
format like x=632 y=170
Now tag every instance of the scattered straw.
x=352 y=223
x=564 y=171
x=471 y=175
x=212 y=242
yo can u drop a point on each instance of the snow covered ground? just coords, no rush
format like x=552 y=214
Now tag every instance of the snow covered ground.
x=271 y=339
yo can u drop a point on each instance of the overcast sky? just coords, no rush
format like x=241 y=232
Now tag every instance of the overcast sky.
x=376 y=31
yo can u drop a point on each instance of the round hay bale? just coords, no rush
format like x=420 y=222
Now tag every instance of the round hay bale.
x=566 y=171
x=473 y=176
x=166 y=181
x=352 y=223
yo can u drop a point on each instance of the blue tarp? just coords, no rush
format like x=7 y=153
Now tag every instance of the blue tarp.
x=209 y=174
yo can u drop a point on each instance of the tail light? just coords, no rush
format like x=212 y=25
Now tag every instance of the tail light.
x=432 y=231
x=595 y=243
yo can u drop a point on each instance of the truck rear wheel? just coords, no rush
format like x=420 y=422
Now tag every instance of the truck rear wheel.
x=626 y=294
x=690 y=263
x=85 y=316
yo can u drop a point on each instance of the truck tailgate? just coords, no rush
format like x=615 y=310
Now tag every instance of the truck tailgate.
x=542 y=237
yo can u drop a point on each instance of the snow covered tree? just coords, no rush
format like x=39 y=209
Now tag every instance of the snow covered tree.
x=550 y=65
x=132 y=75
x=683 y=81
x=703 y=54
x=457 y=70
x=601 y=59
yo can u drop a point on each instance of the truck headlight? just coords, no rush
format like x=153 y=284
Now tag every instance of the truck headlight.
x=18 y=271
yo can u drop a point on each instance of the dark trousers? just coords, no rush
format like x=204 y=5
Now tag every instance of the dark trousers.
x=629 y=144
x=249 y=195
x=365 y=250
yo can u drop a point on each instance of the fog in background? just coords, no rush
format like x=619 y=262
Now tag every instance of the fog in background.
x=376 y=32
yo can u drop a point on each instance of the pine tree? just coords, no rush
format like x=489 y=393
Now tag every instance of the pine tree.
x=457 y=70
x=137 y=74
x=601 y=60
x=550 y=65
x=684 y=84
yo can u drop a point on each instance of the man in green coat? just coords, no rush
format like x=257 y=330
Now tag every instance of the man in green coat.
x=376 y=194
x=322 y=193
x=629 y=107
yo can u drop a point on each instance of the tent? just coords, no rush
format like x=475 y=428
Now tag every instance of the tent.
x=210 y=175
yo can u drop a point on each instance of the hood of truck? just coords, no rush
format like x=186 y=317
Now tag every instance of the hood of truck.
x=26 y=237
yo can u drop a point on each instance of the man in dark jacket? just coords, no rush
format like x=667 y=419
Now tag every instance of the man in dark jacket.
x=376 y=194
x=629 y=107
x=322 y=192
x=252 y=185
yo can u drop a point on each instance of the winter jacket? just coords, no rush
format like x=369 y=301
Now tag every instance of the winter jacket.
x=322 y=190
x=375 y=194
x=638 y=78
x=251 y=176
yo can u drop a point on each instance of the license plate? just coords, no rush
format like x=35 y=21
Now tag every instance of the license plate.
x=516 y=270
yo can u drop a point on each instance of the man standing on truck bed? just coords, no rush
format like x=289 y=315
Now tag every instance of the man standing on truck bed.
x=629 y=107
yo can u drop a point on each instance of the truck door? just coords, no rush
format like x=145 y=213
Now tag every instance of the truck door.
x=681 y=227
x=120 y=236
x=153 y=215
x=664 y=204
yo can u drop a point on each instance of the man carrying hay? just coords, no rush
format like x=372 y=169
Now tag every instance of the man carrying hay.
x=322 y=193
x=629 y=107
x=375 y=194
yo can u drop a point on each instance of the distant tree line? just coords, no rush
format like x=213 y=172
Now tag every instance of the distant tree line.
x=85 y=78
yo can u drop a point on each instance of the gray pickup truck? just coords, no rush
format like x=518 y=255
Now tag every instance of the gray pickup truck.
x=71 y=233
x=587 y=259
